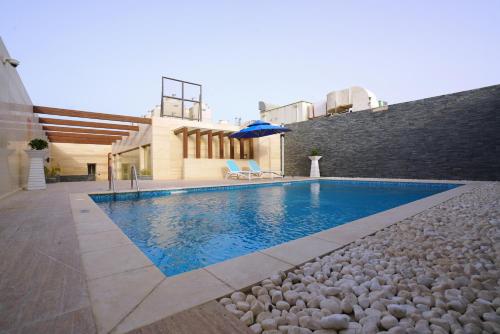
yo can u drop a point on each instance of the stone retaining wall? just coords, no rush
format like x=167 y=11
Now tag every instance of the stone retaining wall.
x=455 y=136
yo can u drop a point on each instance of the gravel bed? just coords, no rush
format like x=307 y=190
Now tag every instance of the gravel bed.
x=436 y=272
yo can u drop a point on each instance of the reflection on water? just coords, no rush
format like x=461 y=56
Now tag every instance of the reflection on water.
x=187 y=231
x=315 y=189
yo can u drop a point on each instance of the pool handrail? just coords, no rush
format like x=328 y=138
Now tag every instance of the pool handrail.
x=111 y=178
x=133 y=175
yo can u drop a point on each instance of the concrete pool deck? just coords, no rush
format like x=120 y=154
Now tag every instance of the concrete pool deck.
x=75 y=277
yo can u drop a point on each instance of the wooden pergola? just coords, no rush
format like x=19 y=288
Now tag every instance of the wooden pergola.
x=76 y=131
x=210 y=133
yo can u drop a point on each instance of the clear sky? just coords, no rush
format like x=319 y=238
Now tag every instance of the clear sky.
x=109 y=56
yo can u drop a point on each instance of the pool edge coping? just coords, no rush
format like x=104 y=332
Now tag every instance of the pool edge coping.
x=225 y=277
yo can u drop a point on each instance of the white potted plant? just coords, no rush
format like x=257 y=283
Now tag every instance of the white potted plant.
x=37 y=153
x=314 y=157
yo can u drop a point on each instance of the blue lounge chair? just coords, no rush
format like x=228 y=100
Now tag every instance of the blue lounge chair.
x=234 y=170
x=257 y=171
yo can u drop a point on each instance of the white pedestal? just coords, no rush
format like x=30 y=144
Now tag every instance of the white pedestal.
x=36 y=178
x=314 y=165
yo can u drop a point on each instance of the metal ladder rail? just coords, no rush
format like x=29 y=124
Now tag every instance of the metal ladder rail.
x=133 y=172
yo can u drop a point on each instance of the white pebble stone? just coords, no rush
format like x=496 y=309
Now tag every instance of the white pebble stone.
x=331 y=305
x=247 y=318
x=256 y=328
x=396 y=310
x=276 y=296
x=291 y=297
x=397 y=330
x=243 y=306
x=225 y=301
x=276 y=279
x=263 y=316
x=282 y=305
x=250 y=299
x=335 y=321
x=269 y=324
x=238 y=297
x=388 y=321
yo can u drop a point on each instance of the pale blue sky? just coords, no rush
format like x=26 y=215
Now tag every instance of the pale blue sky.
x=108 y=56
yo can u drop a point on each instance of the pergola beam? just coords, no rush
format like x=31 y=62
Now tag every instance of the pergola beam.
x=72 y=140
x=57 y=121
x=84 y=130
x=87 y=114
x=179 y=130
x=79 y=135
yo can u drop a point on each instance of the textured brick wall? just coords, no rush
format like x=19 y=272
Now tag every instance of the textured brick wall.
x=455 y=136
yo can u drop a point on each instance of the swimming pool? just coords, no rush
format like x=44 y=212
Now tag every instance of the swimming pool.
x=188 y=229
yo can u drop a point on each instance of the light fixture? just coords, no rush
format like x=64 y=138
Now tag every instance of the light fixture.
x=13 y=62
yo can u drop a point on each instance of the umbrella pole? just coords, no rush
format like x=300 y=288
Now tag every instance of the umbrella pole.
x=282 y=154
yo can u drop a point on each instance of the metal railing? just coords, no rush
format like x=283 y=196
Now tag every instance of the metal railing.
x=133 y=175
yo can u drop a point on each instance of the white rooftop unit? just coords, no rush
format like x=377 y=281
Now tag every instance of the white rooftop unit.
x=351 y=99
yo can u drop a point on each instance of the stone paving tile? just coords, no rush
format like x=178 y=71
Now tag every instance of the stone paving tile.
x=113 y=261
x=174 y=294
x=246 y=270
x=301 y=250
x=76 y=322
x=209 y=318
x=113 y=299
x=102 y=240
x=40 y=265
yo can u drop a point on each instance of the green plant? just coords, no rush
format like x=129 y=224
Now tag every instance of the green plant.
x=145 y=172
x=315 y=152
x=54 y=171
x=38 y=144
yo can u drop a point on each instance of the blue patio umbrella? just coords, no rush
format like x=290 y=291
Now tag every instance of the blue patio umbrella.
x=261 y=129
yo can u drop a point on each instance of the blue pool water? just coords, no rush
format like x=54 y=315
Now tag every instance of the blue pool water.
x=180 y=232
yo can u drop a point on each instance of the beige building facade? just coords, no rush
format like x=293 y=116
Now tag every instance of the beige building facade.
x=159 y=150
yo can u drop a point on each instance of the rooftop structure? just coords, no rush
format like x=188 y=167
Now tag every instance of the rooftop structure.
x=351 y=99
